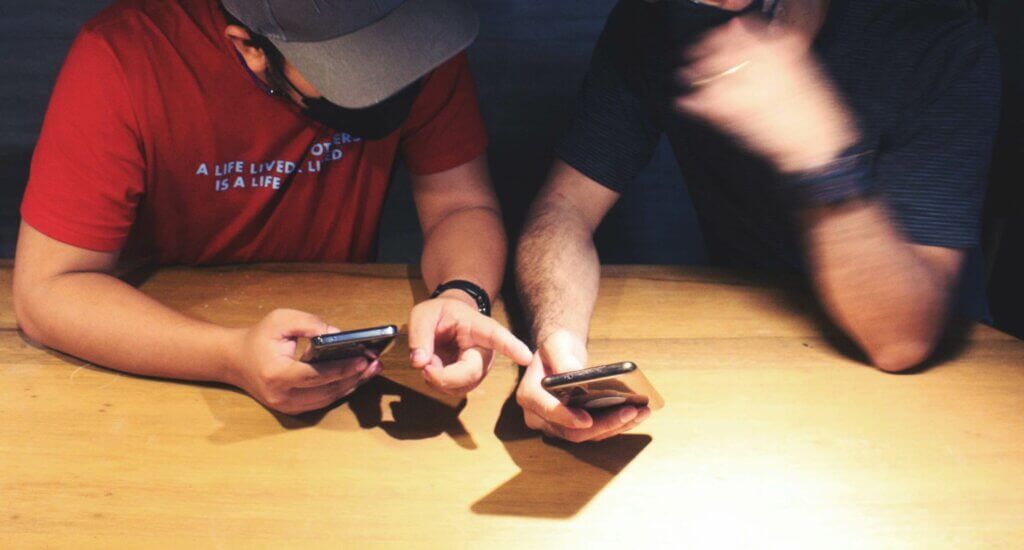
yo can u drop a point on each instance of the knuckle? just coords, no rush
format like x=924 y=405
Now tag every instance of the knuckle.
x=277 y=401
x=458 y=391
x=522 y=399
x=442 y=384
x=274 y=379
x=278 y=315
x=293 y=410
x=421 y=310
x=345 y=390
x=576 y=436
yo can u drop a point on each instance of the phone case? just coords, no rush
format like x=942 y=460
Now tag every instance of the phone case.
x=604 y=386
x=370 y=342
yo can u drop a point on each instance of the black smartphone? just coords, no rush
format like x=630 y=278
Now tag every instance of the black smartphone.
x=603 y=387
x=367 y=342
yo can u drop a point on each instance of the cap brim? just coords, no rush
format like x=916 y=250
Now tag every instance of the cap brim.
x=365 y=67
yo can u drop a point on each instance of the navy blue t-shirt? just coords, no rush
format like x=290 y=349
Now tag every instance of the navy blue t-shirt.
x=921 y=77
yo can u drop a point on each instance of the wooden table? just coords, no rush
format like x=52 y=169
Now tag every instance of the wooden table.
x=769 y=436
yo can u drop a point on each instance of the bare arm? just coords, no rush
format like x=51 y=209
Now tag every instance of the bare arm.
x=558 y=274
x=67 y=298
x=889 y=295
x=557 y=268
x=463 y=238
x=463 y=235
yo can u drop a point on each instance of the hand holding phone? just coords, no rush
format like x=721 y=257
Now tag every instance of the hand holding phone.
x=564 y=352
x=603 y=387
x=264 y=364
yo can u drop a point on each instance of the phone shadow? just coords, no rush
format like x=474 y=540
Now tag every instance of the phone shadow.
x=404 y=413
x=397 y=402
x=557 y=478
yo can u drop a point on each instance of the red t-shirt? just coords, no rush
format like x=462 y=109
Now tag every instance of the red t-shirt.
x=158 y=141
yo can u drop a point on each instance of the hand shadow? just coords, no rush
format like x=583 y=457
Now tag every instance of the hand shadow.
x=398 y=410
x=558 y=478
x=413 y=414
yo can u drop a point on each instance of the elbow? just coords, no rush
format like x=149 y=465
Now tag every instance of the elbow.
x=900 y=356
x=23 y=316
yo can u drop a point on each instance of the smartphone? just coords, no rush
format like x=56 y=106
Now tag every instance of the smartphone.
x=367 y=342
x=603 y=387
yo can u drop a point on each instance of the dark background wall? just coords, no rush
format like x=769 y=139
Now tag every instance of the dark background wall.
x=528 y=62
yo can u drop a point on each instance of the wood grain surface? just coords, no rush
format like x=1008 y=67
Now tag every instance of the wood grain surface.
x=771 y=436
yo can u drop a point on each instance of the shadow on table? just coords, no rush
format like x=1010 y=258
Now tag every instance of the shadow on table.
x=557 y=478
x=398 y=402
x=398 y=411
x=413 y=415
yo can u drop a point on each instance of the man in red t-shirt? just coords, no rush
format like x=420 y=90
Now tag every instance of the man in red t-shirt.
x=190 y=132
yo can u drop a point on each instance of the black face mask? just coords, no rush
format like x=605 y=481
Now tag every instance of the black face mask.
x=688 y=20
x=370 y=123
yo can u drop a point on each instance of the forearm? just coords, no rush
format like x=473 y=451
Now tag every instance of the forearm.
x=888 y=295
x=557 y=271
x=105 y=321
x=468 y=244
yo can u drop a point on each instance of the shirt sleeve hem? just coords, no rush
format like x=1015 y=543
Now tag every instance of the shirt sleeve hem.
x=584 y=169
x=57 y=229
x=457 y=157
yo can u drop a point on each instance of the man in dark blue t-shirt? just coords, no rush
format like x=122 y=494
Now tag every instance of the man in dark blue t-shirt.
x=848 y=140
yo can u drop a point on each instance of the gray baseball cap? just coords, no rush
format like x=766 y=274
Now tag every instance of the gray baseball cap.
x=360 y=52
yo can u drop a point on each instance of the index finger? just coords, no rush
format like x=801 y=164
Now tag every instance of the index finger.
x=488 y=333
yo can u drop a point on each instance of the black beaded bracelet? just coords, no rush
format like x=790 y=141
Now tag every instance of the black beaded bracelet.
x=845 y=178
x=479 y=295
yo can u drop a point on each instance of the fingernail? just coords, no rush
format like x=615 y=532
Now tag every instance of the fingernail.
x=581 y=420
x=627 y=414
x=417 y=356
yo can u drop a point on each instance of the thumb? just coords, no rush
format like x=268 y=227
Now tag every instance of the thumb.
x=290 y=323
x=423 y=323
x=562 y=359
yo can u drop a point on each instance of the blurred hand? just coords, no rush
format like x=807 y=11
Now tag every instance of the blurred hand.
x=564 y=352
x=266 y=367
x=759 y=82
x=454 y=343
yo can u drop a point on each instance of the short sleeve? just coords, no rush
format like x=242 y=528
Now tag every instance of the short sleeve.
x=933 y=169
x=444 y=128
x=615 y=130
x=88 y=168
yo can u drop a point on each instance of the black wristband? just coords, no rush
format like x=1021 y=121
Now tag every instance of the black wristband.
x=479 y=295
x=845 y=178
